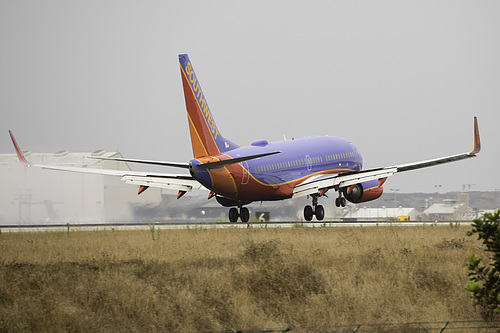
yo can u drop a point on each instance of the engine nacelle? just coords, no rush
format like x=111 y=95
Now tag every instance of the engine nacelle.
x=365 y=191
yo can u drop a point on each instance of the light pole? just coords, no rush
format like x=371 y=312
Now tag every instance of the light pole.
x=438 y=187
x=395 y=190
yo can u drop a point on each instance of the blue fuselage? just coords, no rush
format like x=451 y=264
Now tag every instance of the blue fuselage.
x=273 y=177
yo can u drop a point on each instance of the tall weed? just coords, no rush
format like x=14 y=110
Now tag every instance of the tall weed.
x=218 y=279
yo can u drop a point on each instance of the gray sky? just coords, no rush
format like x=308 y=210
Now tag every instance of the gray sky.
x=401 y=79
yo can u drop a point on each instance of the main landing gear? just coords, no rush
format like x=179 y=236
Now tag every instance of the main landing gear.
x=318 y=210
x=243 y=214
x=315 y=210
x=340 y=201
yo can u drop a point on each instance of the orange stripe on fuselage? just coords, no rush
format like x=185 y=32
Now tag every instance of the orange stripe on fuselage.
x=223 y=182
x=256 y=190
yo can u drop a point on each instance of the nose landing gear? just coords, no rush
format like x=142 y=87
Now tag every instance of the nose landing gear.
x=315 y=210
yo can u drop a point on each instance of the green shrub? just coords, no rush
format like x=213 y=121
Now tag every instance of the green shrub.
x=484 y=283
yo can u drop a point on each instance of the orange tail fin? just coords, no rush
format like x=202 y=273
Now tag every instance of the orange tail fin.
x=205 y=136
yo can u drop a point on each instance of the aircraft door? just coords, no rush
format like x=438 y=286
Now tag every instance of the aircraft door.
x=308 y=162
x=245 y=176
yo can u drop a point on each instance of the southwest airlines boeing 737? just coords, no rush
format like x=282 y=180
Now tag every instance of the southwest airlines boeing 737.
x=263 y=171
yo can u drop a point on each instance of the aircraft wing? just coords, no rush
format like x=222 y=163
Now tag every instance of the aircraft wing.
x=319 y=184
x=181 y=182
x=147 y=179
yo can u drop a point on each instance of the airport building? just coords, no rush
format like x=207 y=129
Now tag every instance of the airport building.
x=40 y=196
x=381 y=214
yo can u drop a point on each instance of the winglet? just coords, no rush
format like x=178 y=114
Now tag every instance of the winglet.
x=477 y=140
x=19 y=153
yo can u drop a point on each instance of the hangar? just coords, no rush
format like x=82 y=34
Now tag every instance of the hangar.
x=40 y=196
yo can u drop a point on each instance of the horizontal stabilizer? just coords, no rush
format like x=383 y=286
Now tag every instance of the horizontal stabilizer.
x=219 y=164
x=131 y=160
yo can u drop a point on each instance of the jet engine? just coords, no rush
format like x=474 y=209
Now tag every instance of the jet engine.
x=365 y=191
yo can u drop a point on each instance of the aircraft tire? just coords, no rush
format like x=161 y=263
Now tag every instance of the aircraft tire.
x=319 y=212
x=244 y=214
x=308 y=213
x=343 y=202
x=233 y=215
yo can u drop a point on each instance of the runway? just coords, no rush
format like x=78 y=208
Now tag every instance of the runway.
x=208 y=225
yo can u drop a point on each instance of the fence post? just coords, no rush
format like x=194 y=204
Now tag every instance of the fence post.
x=442 y=329
x=423 y=327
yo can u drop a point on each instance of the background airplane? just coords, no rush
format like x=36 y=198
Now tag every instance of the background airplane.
x=263 y=171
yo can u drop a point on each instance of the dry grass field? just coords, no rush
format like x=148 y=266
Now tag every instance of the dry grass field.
x=218 y=279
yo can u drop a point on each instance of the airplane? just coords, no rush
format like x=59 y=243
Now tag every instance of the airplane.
x=263 y=171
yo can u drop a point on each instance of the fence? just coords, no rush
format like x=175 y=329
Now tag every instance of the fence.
x=477 y=326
